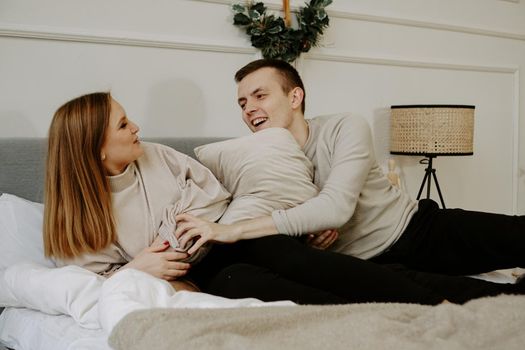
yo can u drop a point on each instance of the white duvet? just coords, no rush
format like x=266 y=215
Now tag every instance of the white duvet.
x=95 y=302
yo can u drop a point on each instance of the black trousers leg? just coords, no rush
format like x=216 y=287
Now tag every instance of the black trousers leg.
x=248 y=281
x=220 y=273
x=350 y=278
x=459 y=242
x=458 y=289
x=281 y=268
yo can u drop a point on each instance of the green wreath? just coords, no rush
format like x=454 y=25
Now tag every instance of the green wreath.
x=275 y=40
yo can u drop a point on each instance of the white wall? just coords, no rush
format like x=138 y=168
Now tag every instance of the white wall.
x=171 y=62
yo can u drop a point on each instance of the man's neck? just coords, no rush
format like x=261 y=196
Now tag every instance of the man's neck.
x=299 y=130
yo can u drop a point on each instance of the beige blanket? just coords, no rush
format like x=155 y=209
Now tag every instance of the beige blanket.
x=488 y=323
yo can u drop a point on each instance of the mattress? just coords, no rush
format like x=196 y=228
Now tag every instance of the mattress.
x=25 y=329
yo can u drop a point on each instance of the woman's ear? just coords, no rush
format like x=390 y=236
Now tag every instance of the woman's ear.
x=297 y=95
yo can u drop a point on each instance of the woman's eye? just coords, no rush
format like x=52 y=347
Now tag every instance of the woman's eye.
x=123 y=125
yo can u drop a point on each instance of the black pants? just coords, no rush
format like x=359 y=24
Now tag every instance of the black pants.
x=458 y=242
x=282 y=268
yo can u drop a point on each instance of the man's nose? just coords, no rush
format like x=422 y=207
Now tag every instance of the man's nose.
x=250 y=107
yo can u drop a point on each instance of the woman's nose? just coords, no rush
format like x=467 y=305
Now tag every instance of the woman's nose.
x=134 y=128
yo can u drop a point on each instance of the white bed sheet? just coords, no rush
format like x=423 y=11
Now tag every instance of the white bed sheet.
x=25 y=329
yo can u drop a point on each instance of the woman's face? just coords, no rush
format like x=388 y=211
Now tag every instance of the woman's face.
x=121 y=142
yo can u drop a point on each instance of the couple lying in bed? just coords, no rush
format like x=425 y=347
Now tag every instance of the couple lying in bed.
x=113 y=202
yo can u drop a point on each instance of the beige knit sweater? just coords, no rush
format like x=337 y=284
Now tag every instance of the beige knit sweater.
x=355 y=196
x=161 y=181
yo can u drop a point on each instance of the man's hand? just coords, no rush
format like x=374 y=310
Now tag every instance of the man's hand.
x=322 y=240
x=201 y=231
x=160 y=263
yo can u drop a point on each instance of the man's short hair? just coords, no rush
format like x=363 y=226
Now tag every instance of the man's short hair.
x=290 y=78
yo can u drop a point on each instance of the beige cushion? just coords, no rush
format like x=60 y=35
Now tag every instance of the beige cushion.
x=263 y=171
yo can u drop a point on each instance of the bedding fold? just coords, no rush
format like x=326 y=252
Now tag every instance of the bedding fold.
x=130 y=290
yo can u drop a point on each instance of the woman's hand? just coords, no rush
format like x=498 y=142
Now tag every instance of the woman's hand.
x=201 y=231
x=323 y=239
x=156 y=261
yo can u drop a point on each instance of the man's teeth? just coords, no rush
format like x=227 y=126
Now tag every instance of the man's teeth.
x=258 y=121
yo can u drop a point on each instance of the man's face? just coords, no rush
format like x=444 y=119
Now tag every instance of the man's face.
x=263 y=102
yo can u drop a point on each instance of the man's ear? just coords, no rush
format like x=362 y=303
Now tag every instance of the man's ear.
x=297 y=96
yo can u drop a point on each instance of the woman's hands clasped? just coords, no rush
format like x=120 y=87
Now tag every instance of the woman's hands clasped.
x=159 y=262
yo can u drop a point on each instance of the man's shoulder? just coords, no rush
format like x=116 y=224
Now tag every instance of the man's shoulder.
x=337 y=121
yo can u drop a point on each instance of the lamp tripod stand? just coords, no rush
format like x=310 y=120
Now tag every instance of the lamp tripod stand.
x=430 y=173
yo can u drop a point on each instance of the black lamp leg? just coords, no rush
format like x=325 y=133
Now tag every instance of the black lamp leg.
x=427 y=174
x=430 y=173
x=439 y=190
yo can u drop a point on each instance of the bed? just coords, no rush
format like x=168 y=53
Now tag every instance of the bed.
x=75 y=309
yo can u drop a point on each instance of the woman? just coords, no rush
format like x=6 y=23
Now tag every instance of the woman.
x=108 y=195
x=106 y=192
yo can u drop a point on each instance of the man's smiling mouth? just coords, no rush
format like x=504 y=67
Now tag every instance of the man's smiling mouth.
x=258 y=121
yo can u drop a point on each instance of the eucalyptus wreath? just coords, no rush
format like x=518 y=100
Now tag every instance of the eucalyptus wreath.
x=276 y=40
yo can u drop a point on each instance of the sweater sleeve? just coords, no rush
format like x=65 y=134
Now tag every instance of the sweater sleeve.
x=105 y=262
x=350 y=156
x=201 y=194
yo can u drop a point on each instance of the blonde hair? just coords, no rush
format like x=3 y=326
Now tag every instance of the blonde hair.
x=77 y=214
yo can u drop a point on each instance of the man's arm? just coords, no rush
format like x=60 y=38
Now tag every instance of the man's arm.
x=190 y=227
x=350 y=156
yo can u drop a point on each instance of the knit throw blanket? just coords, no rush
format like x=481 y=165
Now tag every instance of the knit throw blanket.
x=487 y=323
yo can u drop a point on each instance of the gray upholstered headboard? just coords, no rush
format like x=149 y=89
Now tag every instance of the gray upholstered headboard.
x=22 y=163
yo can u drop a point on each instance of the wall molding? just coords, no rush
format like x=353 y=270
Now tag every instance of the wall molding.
x=401 y=21
x=332 y=55
x=141 y=40
x=116 y=38
x=155 y=41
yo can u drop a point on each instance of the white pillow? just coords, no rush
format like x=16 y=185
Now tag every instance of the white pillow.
x=69 y=290
x=21 y=236
x=264 y=171
x=21 y=224
x=6 y=297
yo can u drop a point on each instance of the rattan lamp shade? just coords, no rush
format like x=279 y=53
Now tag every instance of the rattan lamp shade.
x=432 y=130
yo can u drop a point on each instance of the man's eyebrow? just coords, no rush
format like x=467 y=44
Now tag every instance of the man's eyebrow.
x=256 y=91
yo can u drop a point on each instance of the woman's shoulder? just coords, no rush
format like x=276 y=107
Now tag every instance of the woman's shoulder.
x=157 y=150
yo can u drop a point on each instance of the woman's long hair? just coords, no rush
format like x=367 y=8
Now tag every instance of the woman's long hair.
x=77 y=213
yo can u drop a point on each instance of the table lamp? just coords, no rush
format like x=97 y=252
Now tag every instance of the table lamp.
x=431 y=131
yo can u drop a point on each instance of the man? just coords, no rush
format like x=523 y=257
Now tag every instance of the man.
x=375 y=220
